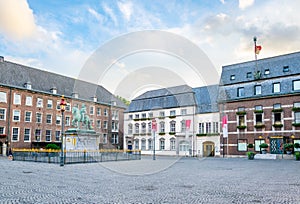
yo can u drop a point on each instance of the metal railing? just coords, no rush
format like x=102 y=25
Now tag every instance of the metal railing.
x=72 y=157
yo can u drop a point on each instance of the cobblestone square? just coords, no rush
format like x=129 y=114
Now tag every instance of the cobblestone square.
x=165 y=180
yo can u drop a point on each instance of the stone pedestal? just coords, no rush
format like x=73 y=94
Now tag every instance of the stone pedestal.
x=77 y=139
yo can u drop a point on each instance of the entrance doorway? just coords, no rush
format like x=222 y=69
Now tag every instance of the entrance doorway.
x=208 y=149
x=276 y=145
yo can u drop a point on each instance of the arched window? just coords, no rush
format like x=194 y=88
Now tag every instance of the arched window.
x=172 y=144
x=129 y=129
x=136 y=144
x=162 y=144
x=172 y=126
x=162 y=127
x=150 y=145
x=137 y=128
x=143 y=144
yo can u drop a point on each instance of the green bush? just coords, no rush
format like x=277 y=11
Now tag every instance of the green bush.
x=297 y=155
x=250 y=146
x=250 y=155
x=288 y=146
x=297 y=145
x=52 y=146
x=263 y=145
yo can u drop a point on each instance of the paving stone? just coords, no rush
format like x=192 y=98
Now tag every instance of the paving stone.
x=165 y=180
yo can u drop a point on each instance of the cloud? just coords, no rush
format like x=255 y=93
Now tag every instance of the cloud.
x=16 y=19
x=126 y=9
x=245 y=3
x=97 y=15
x=111 y=14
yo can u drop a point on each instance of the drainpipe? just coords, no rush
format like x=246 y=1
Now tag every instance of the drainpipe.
x=8 y=121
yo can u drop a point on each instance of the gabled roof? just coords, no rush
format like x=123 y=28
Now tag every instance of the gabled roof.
x=17 y=75
x=207 y=99
x=172 y=97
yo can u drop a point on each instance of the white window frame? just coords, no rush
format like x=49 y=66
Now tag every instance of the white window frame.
x=49 y=104
x=17 y=99
x=25 y=135
x=4 y=114
x=3 y=97
x=13 y=134
x=26 y=117
x=28 y=101
x=18 y=115
x=39 y=102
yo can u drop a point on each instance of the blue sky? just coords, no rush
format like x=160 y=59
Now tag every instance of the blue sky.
x=60 y=35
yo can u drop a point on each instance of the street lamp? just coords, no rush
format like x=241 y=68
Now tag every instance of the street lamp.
x=62 y=104
x=260 y=138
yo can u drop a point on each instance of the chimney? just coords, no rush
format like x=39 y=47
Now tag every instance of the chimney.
x=75 y=95
x=95 y=98
x=27 y=85
x=1 y=59
x=53 y=90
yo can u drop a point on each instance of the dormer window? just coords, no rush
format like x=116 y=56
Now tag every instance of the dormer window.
x=75 y=95
x=95 y=98
x=249 y=75
x=232 y=77
x=286 y=69
x=267 y=71
x=53 y=90
x=27 y=85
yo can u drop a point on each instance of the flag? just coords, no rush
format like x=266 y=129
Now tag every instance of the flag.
x=224 y=126
x=257 y=49
x=188 y=124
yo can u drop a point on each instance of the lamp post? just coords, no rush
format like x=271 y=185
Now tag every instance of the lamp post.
x=62 y=104
x=260 y=138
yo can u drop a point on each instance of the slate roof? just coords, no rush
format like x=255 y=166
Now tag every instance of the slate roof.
x=204 y=98
x=172 y=97
x=207 y=99
x=16 y=75
x=271 y=71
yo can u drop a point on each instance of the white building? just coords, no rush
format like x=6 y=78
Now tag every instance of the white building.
x=177 y=112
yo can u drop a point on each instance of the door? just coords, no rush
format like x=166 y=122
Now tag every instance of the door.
x=208 y=149
x=276 y=146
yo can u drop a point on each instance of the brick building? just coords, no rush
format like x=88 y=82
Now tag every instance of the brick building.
x=262 y=102
x=30 y=114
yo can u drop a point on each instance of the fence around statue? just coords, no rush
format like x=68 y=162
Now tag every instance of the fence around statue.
x=72 y=157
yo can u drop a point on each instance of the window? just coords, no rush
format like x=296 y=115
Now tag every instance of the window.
x=276 y=87
x=241 y=120
x=39 y=102
x=26 y=134
x=105 y=124
x=68 y=121
x=48 y=118
x=137 y=128
x=105 y=112
x=16 y=115
x=136 y=144
x=172 y=144
x=143 y=144
x=130 y=117
x=27 y=116
x=115 y=126
x=172 y=126
x=104 y=138
x=28 y=101
x=48 y=135
x=129 y=129
x=297 y=105
x=172 y=113
x=277 y=118
x=258 y=118
x=240 y=92
x=162 y=127
x=249 y=75
x=17 y=99
x=257 y=90
x=98 y=111
x=150 y=115
x=277 y=106
x=215 y=127
x=149 y=126
x=92 y=108
x=58 y=105
x=114 y=138
x=49 y=104
x=162 y=144
x=137 y=116
x=286 y=69
x=296 y=117
x=161 y=114
x=68 y=107
x=183 y=126
x=3 y=97
x=267 y=71
x=258 y=108
x=241 y=109
x=201 y=128
x=15 y=134
x=38 y=135
x=2 y=114
x=143 y=115
x=2 y=131
x=296 y=85
x=57 y=135
x=208 y=127
x=38 y=117
x=232 y=77
x=143 y=127
x=149 y=144
x=98 y=123
x=183 y=111
x=242 y=145
x=58 y=120
x=257 y=143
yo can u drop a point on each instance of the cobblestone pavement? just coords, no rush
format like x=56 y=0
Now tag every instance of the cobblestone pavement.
x=165 y=180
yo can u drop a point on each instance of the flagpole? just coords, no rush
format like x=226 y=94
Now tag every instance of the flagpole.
x=255 y=39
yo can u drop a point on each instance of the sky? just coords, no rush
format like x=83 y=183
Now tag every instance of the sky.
x=61 y=36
